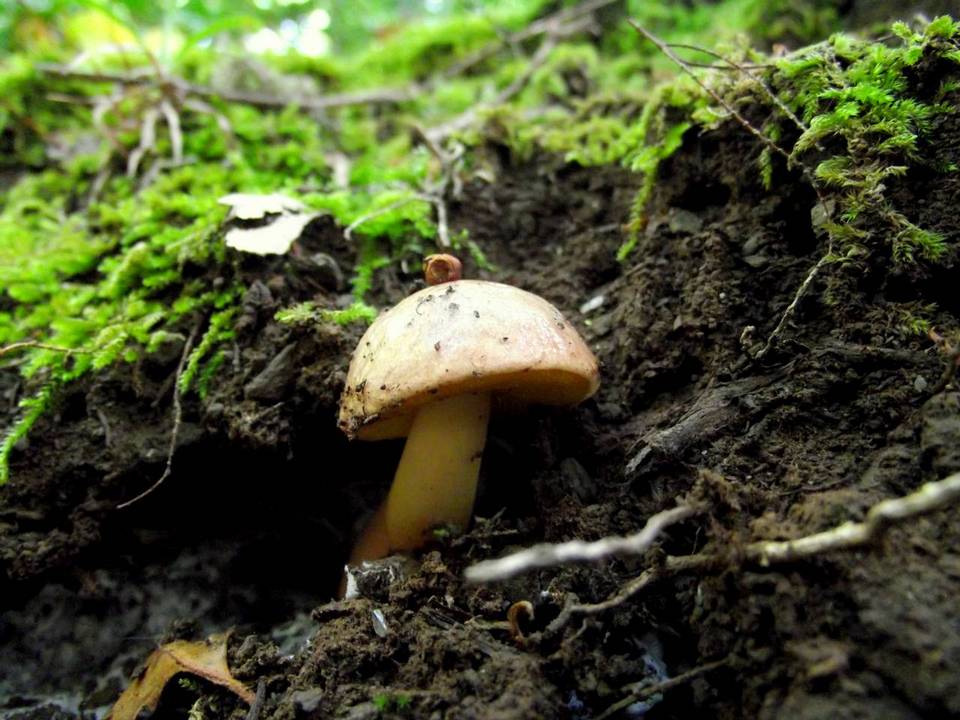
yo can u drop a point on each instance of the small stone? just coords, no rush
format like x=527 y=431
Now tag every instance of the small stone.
x=684 y=221
x=920 y=384
x=820 y=215
x=257 y=295
x=594 y=303
x=753 y=243
x=307 y=700
x=379 y=623
x=272 y=382
x=578 y=480
x=756 y=261
x=328 y=271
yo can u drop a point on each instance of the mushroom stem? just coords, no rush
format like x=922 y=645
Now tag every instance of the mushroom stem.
x=436 y=481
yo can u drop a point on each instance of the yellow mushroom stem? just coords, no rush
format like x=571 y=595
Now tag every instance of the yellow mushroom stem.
x=436 y=481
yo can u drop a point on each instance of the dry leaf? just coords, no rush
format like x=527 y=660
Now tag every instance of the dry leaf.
x=204 y=659
x=250 y=206
x=273 y=239
x=278 y=221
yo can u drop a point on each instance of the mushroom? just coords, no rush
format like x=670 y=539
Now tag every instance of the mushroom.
x=429 y=369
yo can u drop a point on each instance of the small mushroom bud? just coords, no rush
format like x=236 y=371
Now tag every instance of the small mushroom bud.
x=442 y=268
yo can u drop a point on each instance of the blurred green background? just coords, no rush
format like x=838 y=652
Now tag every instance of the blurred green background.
x=306 y=26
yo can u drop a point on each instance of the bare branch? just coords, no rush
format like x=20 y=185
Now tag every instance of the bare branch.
x=792 y=307
x=367 y=217
x=30 y=344
x=645 y=691
x=747 y=70
x=172 y=118
x=468 y=117
x=148 y=138
x=177 y=419
x=928 y=498
x=685 y=67
x=547 y=555
x=259 y=100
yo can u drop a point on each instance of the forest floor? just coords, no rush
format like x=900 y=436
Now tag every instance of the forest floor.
x=251 y=529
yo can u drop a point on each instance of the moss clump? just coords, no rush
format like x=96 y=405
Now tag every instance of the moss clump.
x=309 y=314
x=867 y=124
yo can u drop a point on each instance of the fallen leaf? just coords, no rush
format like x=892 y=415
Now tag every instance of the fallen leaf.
x=272 y=239
x=207 y=660
x=277 y=221
x=251 y=206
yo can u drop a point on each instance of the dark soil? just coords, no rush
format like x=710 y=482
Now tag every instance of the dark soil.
x=253 y=526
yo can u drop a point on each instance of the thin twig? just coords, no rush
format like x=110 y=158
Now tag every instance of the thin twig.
x=172 y=117
x=769 y=144
x=927 y=498
x=661 y=687
x=257 y=705
x=548 y=555
x=30 y=344
x=728 y=64
x=792 y=307
x=468 y=117
x=259 y=100
x=567 y=16
x=390 y=95
x=177 y=418
x=366 y=217
x=746 y=70
x=684 y=66
x=543 y=26
x=148 y=138
x=953 y=361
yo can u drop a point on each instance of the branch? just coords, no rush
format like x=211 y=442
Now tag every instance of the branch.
x=791 y=308
x=547 y=555
x=28 y=344
x=645 y=691
x=259 y=100
x=685 y=67
x=928 y=498
x=177 y=420
x=396 y=204
x=468 y=117
x=388 y=95
x=744 y=69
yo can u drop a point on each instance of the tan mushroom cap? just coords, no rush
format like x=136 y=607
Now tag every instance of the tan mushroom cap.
x=467 y=336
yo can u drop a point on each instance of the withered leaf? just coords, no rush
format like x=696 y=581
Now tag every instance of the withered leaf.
x=252 y=206
x=275 y=238
x=207 y=660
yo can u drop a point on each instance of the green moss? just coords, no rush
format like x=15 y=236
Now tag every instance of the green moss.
x=309 y=314
x=862 y=110
x=143 y=264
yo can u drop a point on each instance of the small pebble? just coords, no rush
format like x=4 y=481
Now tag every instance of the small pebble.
x=592 y=304
x=379 y=623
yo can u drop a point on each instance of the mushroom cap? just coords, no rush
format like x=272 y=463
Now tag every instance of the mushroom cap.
x=467 y=336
